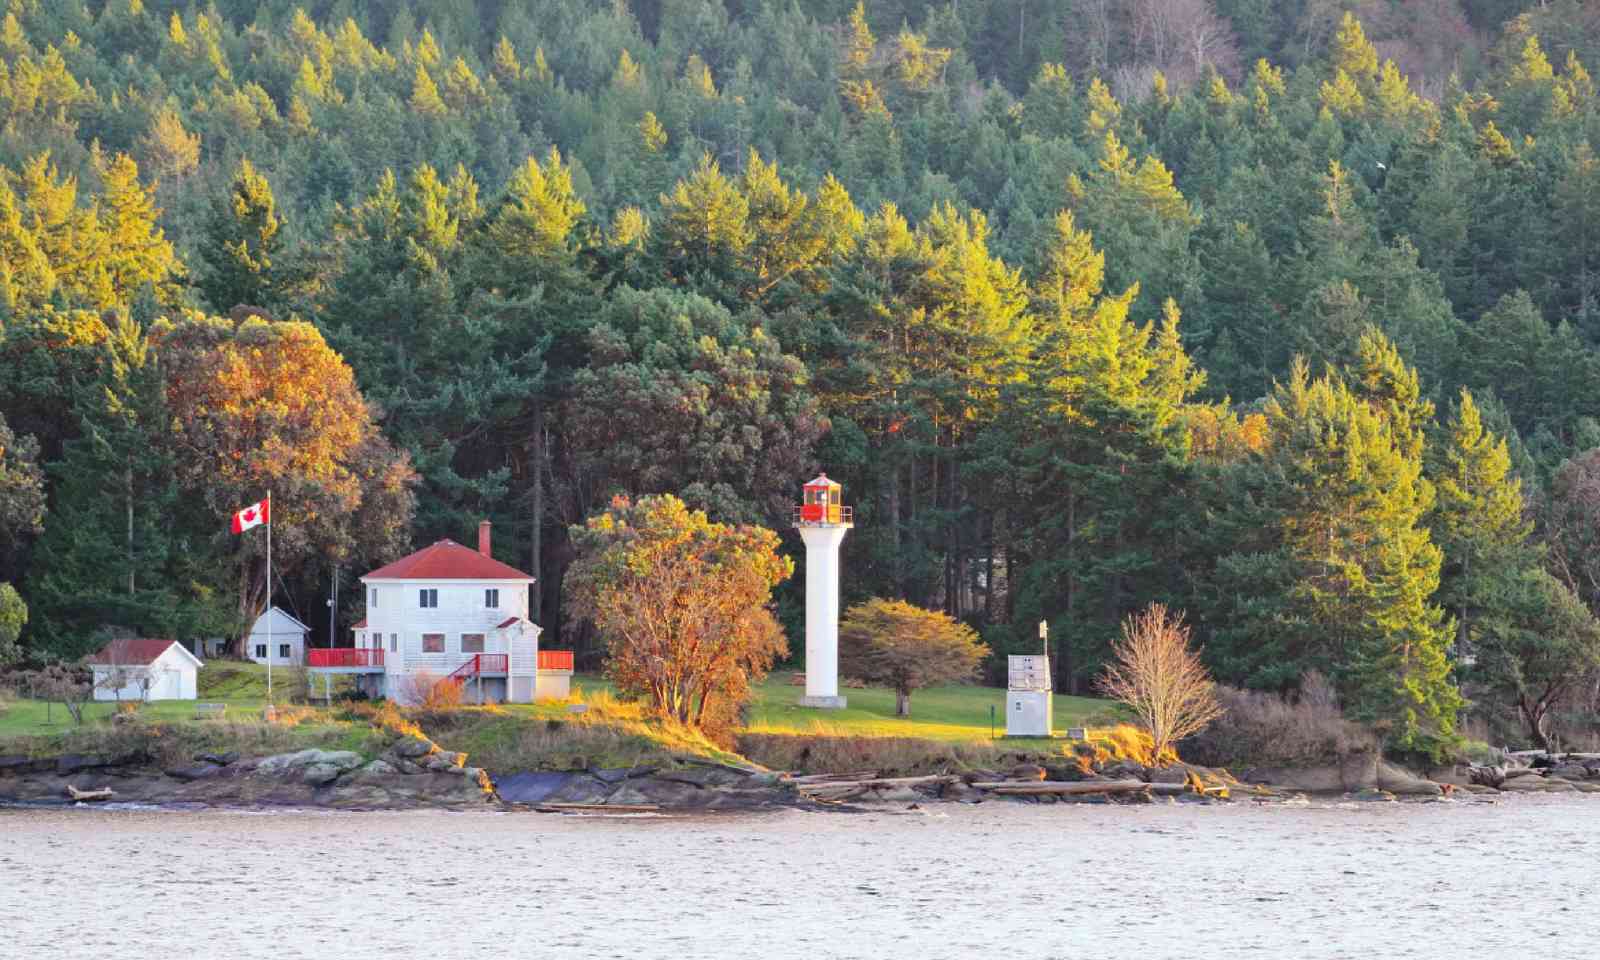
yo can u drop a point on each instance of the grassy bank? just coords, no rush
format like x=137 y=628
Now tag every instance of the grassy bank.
x=241 y=686
x=952 y=714
x=949 y=726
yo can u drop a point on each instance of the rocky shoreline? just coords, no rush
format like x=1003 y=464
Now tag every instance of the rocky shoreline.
x=412 y=773
x=415 y=773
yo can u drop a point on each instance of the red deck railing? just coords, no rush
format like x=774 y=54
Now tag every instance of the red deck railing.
x=479 y=664
x=345 y=657
x=555 y=660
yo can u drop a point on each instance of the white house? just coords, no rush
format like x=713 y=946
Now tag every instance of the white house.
x=278 y=636
x=144 y=669
x=448 y=613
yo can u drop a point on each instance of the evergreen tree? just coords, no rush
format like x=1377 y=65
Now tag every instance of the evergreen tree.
x=1348 y=502
x=243 y=253
x=1479 y=523
x=119 y=549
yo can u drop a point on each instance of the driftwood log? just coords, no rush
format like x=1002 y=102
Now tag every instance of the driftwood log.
x=835 y=777
x=1069 y=788
x=73 y=793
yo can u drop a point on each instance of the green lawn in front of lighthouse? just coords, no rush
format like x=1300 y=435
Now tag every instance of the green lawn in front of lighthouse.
x=958 y=713
x=950 y=713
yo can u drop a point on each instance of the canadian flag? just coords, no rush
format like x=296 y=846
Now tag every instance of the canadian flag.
x=252 y=516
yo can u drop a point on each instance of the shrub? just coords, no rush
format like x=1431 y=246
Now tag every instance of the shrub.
x=1124 y=741
x=1160 y=678
x=431 y=692
x=1269 y=729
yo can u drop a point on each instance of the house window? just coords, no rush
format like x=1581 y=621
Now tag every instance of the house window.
x=373 y=602
x=427 y=599
x=472 y=643
x=283 y=651
x=433 y=643
x=491 y=599
x=394 y=642
x=261 y=651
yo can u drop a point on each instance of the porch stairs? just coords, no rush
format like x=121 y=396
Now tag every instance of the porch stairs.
x=477 y=667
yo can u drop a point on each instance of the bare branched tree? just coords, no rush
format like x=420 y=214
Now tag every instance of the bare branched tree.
x=1160 y=678
x=65 y=684
x=1181 y=38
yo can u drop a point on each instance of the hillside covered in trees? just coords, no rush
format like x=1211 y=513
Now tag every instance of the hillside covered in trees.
x=1283 y=313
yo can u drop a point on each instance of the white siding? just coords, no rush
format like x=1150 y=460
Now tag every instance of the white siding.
x=461 y=610
x=173 y=676
x=274 y=629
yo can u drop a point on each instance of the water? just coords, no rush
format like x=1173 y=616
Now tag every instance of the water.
x=1375 y=881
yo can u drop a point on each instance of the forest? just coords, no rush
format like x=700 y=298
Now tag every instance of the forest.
x=1285 y=314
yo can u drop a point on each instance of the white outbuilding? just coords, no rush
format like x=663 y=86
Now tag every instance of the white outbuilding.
x=277 y=636
x=144 y=669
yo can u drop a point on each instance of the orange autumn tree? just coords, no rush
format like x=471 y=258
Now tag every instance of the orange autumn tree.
x=683 y=604
x=263 y=406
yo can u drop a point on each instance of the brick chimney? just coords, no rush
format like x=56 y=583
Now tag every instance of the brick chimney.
x=483 y=538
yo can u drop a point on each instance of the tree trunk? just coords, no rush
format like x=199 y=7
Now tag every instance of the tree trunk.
x=1069 y=678
x=127 y=487
x=536 y=509
x=1535 y=716
x=896 y=562
x=902 y=703
x=988 y=573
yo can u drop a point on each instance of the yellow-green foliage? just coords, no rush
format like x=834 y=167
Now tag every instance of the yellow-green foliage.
x=1121 y=742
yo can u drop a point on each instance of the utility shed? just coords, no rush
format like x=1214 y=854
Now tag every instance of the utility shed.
x=144 y=669
x=277 y=636
x=1028 y=712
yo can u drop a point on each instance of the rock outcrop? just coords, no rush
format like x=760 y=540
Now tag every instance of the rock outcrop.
x=338 y=779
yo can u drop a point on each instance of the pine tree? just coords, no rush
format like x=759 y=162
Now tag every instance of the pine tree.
x=1479 y=523
x=243 y=252
x=1352 y=504
x=137 y=255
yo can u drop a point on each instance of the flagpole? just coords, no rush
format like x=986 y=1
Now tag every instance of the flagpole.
x=269 y=598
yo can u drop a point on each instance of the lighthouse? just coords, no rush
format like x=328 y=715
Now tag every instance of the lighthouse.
x=822 y=521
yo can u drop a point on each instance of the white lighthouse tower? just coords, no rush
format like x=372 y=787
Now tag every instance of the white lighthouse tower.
x=822 y=522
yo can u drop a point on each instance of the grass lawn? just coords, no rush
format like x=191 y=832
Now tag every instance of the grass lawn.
x=937 y=713
x=242 y=686
x=953 y=714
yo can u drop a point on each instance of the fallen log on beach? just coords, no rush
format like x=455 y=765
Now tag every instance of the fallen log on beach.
x=80 y=796
x=811 y=778
x=878 y=782
x=1069 y=788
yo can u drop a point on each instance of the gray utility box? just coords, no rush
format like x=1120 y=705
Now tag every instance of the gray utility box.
x=1028 y=696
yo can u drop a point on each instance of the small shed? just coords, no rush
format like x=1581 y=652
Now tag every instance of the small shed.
x=144 y=669
x=278 y=636
x=1028 y=695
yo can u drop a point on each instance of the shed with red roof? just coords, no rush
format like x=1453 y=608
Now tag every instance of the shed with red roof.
x=142 y=669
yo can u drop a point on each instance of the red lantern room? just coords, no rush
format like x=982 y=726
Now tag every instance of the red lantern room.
x=820 y=504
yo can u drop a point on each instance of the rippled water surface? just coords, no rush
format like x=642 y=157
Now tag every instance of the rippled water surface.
x=997 y=880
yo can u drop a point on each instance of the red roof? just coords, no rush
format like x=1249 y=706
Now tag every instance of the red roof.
x=360 y=624
x=132 y=652
x=506 y=622
x=447 y=560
